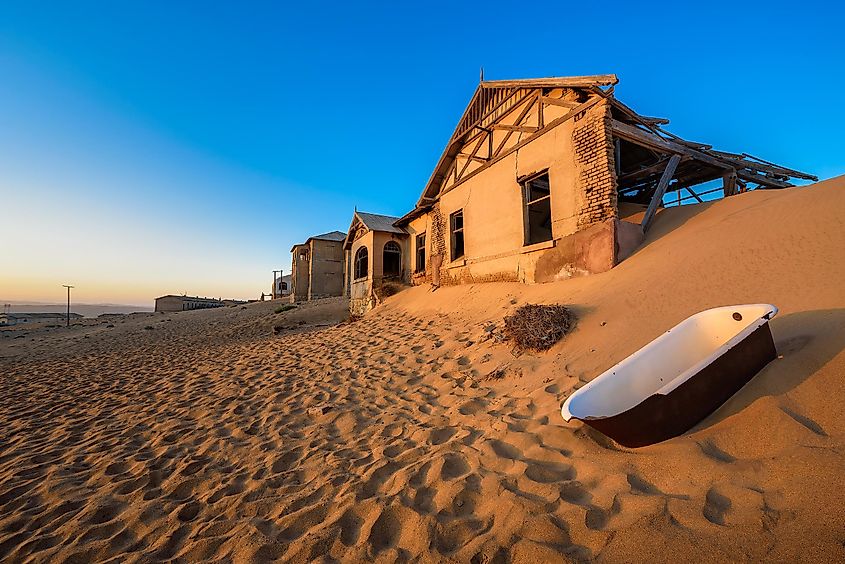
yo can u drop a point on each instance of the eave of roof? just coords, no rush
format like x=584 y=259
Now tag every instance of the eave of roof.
x=378 y=222
x=336 y=236
x=373 y=222
x=554 y=82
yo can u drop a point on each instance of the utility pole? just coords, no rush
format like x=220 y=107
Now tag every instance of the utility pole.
x=274 y=283
x=68 y=303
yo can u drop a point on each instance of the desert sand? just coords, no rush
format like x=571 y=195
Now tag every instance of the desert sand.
x=412 y=435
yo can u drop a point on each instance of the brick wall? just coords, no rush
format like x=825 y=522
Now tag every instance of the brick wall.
x=437 y=238
x=593 y=144
x=438 y=232
x=464 y=276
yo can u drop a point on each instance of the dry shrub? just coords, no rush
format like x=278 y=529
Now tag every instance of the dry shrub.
x=390 y=288
x=538 y=327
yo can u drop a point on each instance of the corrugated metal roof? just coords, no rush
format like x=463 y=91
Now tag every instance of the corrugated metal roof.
x=376 y=222
x=330 y=236
x=338 y=236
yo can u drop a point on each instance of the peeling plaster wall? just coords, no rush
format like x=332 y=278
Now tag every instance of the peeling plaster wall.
x=326 y=269
x=300 y=273
x=578 y=155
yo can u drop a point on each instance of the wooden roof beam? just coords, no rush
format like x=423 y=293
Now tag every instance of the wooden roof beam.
x=660 y=191
x=555 y=82
x=655 y=120
x=517 y=128
x=653 y=141
x=763 y=180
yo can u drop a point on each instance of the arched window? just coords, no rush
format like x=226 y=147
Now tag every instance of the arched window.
x=392 y=260
x=362 y=266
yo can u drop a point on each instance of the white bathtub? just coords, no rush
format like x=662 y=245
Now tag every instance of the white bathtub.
x=668 y=386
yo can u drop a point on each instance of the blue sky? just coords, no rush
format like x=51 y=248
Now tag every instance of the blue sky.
x=163 y=147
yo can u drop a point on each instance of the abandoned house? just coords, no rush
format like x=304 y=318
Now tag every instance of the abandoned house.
x=171 y=303
x=545 y=179
x=376 y=252
x=317 y=267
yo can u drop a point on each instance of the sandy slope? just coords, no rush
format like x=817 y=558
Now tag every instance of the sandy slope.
x=407 y=435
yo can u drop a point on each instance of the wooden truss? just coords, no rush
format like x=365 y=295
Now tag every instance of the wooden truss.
x=497 y=112
x=650 y=162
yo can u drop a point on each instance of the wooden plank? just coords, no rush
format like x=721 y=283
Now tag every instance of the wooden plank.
x=694 y=195
x=540 y=109
x=519 y=119
x=617 y=156
x=559 y=102
x=655 y=120
x=763 y=180
x=645 y=172
x=660 y=192
x=475 y=158
x=501 y=103
x=699 y=194
x=693 y=144
x=788 y=171
x=470 y=158
x=519 y=128
x=694 y=174
x=626 y=110
x=555 y=82
x=652 y=141
x=729 y=184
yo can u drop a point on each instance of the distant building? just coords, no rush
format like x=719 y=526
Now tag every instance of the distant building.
x=8 y=319
x=317 y=267
x=282 y=286
x=171 y=303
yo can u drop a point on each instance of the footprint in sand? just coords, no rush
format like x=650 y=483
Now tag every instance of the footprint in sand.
x=505 y=450
x=715 y=507
x=640 y=485
x=805 y=421
x=350 y=527
x=385 y=531
x=711 y=450
x=548 y=472
x=454 y=466
x=441 y=435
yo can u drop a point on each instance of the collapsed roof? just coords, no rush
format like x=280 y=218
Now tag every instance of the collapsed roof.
x=644 y=150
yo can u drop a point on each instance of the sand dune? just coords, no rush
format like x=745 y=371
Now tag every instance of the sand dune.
x=410 y=435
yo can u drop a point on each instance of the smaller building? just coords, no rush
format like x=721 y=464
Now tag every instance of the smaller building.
x=281 y=286
x=9 y=319
x=172 y=303
x=317 y=267
x=376 y=252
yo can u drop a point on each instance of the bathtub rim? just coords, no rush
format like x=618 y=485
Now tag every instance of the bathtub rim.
x=666 y=389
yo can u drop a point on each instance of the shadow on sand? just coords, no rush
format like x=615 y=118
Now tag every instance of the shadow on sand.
x=805 y=342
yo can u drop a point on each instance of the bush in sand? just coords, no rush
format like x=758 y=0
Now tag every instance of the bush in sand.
x=538 y=327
